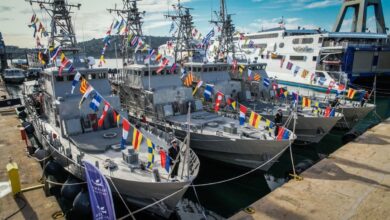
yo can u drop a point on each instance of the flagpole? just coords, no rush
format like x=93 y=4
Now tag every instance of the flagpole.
x=149 y=64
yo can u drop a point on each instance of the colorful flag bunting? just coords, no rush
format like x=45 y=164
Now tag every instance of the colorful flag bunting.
x=232 y=103
x=208 y=91
x=351 y=93
x=151 y=53
x=198 y=85
x=327 y=112
x=254 y=119
x=249 y=74
x=151 y=152
x=306 y=102
x=173 y=68
x=269 y=124
x=86 y=94
x=165 y=160
x=137 y=139
x=296 y=70
x=289 y=65
x=163 y=65
x=241 y=68
x=218 y=101
x=206 y=40
x=76 y=79
x=304 y=73
x=188 y=80
x=282 y=61
x=280 y=133
x=40 y=58
x=295 y=97
x=55 y=53
x=243 y=110
x=234 y=66
x=83 y=85
x=95 y=102
x=158 y=57
x=104 y=114
x=125 y=132
x=257 y=77
x=64 y=63
x=266 y=82
x=286 y=134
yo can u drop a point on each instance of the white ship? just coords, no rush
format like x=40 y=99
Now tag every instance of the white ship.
x=317 y=59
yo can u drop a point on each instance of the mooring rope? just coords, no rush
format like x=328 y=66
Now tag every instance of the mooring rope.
x=208 y=184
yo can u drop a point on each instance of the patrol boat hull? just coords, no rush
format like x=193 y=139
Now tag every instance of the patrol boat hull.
x=245 y=153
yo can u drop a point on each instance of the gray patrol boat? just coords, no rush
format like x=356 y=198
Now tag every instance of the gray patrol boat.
x=70 y=135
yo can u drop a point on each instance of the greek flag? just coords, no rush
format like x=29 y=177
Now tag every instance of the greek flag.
x=75 y=81
x=266 y=82
x=208 y=91
x=95 y=103
x=183 y=72
x=206 y=40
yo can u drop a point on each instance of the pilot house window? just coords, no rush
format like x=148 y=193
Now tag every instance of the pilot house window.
x=298 y=58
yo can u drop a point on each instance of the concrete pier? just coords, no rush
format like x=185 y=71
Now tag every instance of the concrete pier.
x=35 y=205
x=353 y=183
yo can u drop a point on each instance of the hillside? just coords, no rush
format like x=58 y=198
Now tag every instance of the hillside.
x=94 y=47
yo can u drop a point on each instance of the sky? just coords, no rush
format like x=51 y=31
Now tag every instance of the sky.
x=93 y=20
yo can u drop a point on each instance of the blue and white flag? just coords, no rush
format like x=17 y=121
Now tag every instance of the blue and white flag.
x=332 y=112
x=151 y=53
x=120 y=26
x=266 y=82
x=183 y=72
x=99 y=193
x=116 y=24
x=208 y=91
x=95 y=103
x=54 y=54
x=206 y=39
x=76 y=79
x=134 y=41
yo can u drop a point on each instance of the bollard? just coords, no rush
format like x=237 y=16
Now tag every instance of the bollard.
x=23 y=134
x=13 y=175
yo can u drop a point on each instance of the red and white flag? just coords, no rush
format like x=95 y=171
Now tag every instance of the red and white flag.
x=163 y=65
x=104 y=114
x=218 y=101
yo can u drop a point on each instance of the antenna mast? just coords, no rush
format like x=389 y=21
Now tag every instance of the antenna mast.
x=133 y=18
x=224 y=21
x=185 y=24
x=62 y=32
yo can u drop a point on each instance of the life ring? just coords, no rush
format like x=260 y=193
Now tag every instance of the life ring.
x=110 y=135
x=58 y=215
x=249 y=210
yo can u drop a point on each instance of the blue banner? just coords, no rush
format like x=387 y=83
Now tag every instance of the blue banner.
x=99 y=194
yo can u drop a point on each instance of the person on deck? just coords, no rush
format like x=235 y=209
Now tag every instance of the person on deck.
x=335 y=102
x=173 y=153
x=278 y=120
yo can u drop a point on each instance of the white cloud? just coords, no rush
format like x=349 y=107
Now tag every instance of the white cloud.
x=323 y=4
